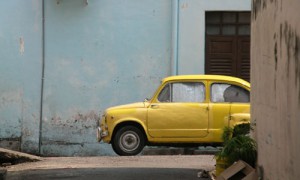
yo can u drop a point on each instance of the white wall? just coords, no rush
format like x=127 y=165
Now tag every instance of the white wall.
x=191 y=38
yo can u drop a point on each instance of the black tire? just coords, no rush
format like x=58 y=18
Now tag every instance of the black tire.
x=128 y=141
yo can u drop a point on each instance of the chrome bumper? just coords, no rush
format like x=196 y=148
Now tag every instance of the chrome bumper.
x=101 y=134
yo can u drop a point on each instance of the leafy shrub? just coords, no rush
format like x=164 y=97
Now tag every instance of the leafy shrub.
x=238 y=145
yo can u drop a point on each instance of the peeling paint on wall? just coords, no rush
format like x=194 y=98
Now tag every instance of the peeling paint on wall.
x=10 y=107
x=10 y=97
x=74 y=132
x=20 y=73
x=11 y=143
x=22 y=44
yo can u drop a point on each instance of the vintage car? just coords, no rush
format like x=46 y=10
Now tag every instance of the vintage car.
x=185 y=110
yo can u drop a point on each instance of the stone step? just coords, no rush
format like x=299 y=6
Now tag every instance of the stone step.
x=14 y=157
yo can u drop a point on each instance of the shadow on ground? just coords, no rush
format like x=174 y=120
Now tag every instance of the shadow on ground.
x=107 y=173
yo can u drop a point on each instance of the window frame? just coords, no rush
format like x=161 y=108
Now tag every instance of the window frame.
x=222 y=24
x=170 y=84
x=231 y=84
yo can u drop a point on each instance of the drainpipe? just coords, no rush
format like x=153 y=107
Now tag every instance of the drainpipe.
x=43 y=75
x=175 y=34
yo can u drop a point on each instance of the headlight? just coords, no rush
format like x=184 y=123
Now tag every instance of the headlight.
x=104 y=118
x=104 y=122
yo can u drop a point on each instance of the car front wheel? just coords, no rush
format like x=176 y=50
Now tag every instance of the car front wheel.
x=128 y=141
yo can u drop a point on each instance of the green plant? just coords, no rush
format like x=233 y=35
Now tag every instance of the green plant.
x=238 y=145
x=227 y=134
x=242 y=129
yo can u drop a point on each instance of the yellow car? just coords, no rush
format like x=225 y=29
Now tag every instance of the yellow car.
x=185 y=110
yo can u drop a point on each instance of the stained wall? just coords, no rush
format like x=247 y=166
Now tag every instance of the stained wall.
x=275 y=87
x=65 y=61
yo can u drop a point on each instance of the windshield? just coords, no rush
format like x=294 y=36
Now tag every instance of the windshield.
x=154 y=92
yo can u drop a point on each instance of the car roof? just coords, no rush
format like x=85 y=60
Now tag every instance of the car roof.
x=207 y=77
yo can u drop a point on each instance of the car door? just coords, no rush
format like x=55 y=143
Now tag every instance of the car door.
x=180 y=110
x=226 y=99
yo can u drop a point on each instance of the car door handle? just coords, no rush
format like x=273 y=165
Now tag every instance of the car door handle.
x=154 y=106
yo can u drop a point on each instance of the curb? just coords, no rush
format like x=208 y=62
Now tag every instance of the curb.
x=15 y=157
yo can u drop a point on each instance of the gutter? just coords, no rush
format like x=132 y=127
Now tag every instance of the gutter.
x=43 y=76
x=175 y=34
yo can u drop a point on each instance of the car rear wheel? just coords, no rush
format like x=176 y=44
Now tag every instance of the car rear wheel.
x=128 y=141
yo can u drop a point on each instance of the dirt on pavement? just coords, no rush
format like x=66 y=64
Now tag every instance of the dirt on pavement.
x=206 y=162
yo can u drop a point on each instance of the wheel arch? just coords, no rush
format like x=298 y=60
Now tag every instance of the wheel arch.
x=130 y=123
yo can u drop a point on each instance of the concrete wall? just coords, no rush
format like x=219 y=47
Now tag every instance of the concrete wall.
x=56 y=81
x=275 y=81
x=20 y=73
x=100 y=55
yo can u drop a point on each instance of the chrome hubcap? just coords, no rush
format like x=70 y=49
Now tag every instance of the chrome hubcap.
x=129 y=141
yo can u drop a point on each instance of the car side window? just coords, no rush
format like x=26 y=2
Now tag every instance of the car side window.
x=221 y=92
x=183 y=92
x=164 y=95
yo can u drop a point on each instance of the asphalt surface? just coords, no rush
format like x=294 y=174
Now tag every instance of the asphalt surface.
x=108 y=173
x=137 y=167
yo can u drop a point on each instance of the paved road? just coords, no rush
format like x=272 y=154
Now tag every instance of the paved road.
x=137 y=167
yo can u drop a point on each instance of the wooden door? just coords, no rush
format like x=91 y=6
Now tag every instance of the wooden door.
x=221 y=55
x=243 y=57
x=228 y=44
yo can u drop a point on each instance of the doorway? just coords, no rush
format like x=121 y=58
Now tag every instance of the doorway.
x=228 y=44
